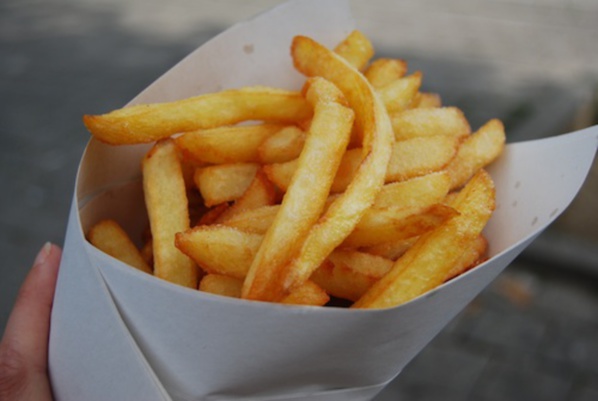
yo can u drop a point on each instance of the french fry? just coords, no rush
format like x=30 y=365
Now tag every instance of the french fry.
x=409 y=159
x=356 y=49
x=384 y=225
x=426 y=100
x=384 y=71
x=419 y=191
x=429 y=261
x=392 y=249
x=221 y=285
x=256 y=221
x=420 y=156
x=151 y=122
x=450 y=198
x=348 y=274
x=261 y=192
x=376 y=226
x=213 y=214
x=399 y=94
x=430 y=121
x=220 y=249
x=415 y=194
x=306 y=195
x=227 y=251
x=313 y=59
x=309 y=293
x=188 y=168
x=367 y=231
x=224 y=182
x=479 y=150
x=109 y=237
x=236 y=144
x=346 y=172
x=472 y=255
x=283 y=146
x=166 y=202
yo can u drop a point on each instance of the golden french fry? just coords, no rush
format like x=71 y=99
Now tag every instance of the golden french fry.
x=420 y=191
x=417 y=193
x=450 y=198
x=428 y=262
x=282 y=146
x=313 y=59
x=430 y=121
x=356 y=49
x=348 y=274
x=188 y=168
x=309 y=293
x=219 y=249
x=255 y=221
x=152 y=122
x=109 y=237
x=230 y=144
x=472 y=255
x=346 y=172
x=221 y=285
x=212 y=215
x=226 y=251
x=307 y=193
x=166 y=202
x=224 y=182
x=384 y=225
x=280 y=174
x=391 y=250
x=420 y=156
x=261 y=192
x=383 y=71
x=409 y=159
x=398 y=95
x=426 y=100
x=479 y=150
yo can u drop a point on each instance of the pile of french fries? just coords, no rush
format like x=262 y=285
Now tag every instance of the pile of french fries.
x=359 y=190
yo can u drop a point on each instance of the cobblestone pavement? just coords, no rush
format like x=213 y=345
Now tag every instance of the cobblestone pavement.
x=531 y=336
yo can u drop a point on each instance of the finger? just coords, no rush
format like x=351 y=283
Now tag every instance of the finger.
x=28 y=326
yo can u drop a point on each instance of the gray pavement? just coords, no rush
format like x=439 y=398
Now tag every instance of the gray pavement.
x=533 y=335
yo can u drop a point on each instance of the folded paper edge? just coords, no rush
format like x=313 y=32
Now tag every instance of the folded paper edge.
x=71 y=352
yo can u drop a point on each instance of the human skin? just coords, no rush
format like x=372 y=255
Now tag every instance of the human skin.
x=24 y=345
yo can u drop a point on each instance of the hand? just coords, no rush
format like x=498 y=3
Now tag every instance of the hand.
x=24 y=346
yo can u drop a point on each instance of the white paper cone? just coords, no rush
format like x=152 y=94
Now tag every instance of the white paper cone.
x=120 y=334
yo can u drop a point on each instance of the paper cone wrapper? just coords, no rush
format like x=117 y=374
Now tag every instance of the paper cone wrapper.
x=120 y=334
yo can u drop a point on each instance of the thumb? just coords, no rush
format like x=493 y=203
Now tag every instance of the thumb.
x=24 y=346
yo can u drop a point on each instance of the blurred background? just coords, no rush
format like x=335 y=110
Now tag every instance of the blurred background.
x=532 y=335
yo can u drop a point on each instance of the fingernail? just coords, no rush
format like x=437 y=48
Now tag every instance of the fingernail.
x=43 y=253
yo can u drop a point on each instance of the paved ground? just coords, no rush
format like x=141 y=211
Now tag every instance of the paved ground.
x=531 y=336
